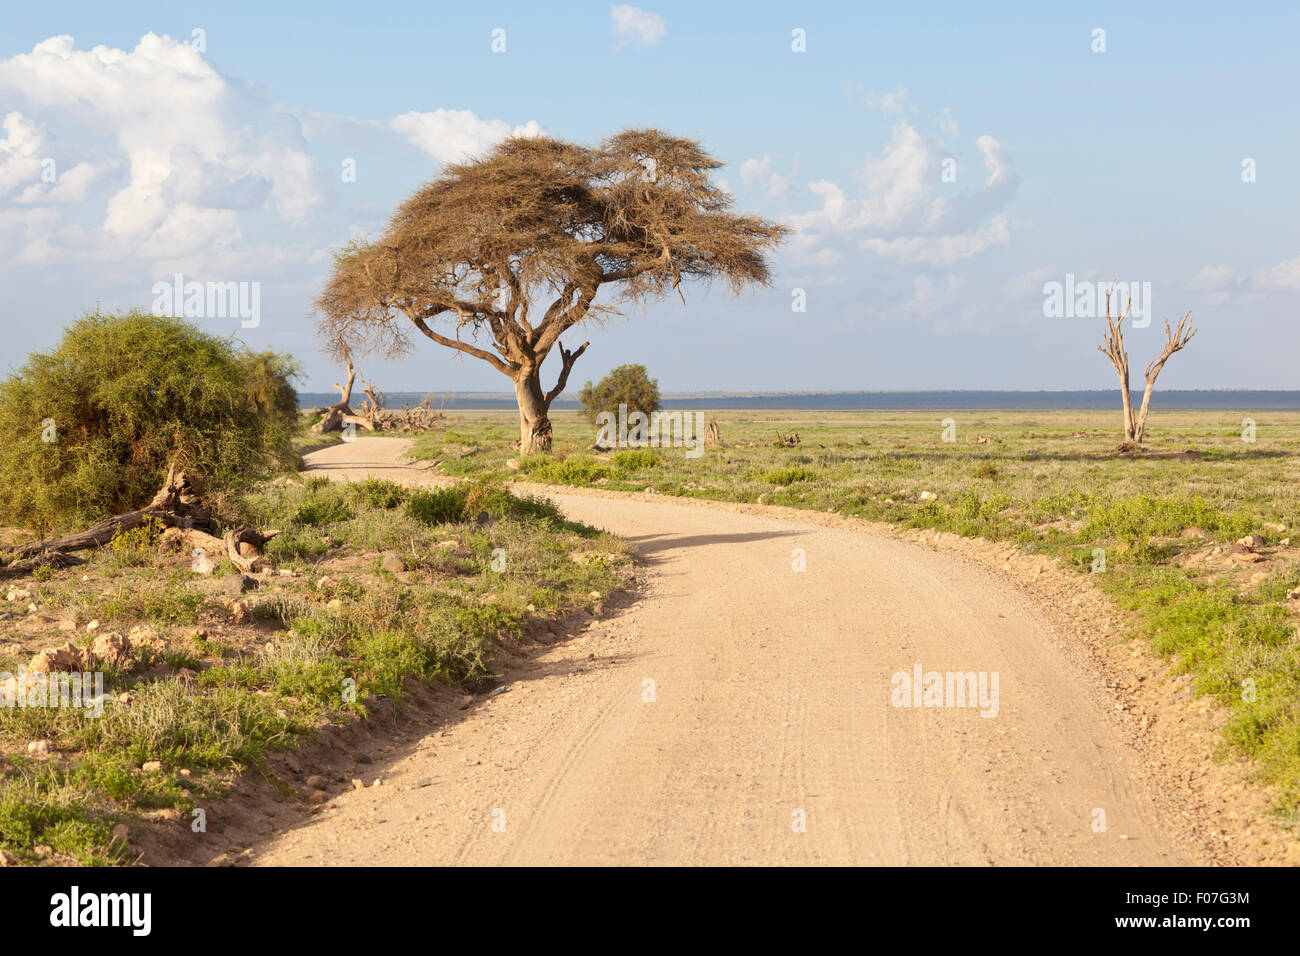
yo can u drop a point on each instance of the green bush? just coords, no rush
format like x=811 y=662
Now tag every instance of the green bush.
x=492 y=496
x=378 y=493
x=635 y=459
x=91 y=427
x=324 y=503
x=1137 y=518
x=788 y=476
x=628 y=385
x=576 y=470
x=437 y=505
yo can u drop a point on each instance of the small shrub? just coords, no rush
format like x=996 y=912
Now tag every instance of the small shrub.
x=437 y=505
x=635 y=459
x=628 y=385
x=378 y=493
x=575 y=470
x=788 y=476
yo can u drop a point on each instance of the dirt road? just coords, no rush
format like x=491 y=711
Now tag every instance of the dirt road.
x=740 y=712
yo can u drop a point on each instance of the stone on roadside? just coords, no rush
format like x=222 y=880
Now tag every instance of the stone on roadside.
x=58 y=660
x=112 y=649
x=237 y=584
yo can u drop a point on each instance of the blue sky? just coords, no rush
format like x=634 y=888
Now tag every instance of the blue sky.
x=225 y=163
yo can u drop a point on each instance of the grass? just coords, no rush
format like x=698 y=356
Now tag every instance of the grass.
x=1047 y=481
x=324 y=638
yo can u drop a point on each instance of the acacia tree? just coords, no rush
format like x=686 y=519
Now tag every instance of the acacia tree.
x=509 y=250
x=1113 y=348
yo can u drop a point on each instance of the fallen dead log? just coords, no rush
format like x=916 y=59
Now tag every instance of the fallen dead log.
x=335 y=417
x=54 y=559
x=177 y=508
x=242 y=546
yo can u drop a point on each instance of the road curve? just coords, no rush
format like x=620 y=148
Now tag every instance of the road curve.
x=740 y=713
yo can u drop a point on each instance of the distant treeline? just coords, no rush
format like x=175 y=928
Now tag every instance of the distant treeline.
x=1189 y=399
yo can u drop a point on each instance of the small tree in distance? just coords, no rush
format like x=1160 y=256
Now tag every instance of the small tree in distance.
x=629 y=385
x=1135 y=423
x=513 y=247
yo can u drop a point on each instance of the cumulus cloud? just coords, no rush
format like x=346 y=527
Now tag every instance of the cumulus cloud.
x=157 y=156
x=454 y=135
x=901 y=212
x=942 y=250
x=1282 y=277
x=759 y=174
x=21 y=152
x=893 y=103
x=186 y=148
x=1212 y=278
x=632 y=24
x=948 y=123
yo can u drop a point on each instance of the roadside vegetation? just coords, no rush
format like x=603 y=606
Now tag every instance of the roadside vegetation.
x=370 y=586
x=1171 y=525
x=92 y=426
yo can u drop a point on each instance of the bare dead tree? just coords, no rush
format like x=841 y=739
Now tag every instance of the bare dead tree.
x=372 y=410
x=345 y=391
x=338 y=414
x=514 y=246
x=1114 y=349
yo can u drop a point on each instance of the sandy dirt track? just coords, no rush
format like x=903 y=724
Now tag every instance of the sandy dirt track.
x=770 y=705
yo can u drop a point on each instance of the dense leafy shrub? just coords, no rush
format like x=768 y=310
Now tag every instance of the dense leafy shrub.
x=91 y=427
x=628 y=385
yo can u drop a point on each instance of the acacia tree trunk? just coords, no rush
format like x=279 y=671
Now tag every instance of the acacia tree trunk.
x=534 y=412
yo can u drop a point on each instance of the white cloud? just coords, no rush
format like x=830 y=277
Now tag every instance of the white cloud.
x=453 y=135
x=21 y=152
x=1031 y=283
x=942 y=250
x=71 y=187
x=894 y=103
x=634 y=24
x=758 y=173
x=948 y=124
x=1212 y=278
x=192 y=147
x=903 y=214
x=1283 y=277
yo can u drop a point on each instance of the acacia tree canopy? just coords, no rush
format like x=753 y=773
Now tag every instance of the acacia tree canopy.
x=500 y=255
